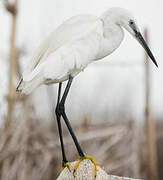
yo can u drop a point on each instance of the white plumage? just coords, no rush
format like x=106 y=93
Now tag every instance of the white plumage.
x=73 y=45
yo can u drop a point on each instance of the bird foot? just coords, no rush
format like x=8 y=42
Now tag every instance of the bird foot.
x=66 y=164
x=86 y=157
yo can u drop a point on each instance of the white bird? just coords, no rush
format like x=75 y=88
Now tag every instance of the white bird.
x=76 y=43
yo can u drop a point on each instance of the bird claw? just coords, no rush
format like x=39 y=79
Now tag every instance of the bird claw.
x=81 y=158
x=66 y=164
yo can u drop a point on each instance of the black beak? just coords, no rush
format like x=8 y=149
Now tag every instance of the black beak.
x=141 y=40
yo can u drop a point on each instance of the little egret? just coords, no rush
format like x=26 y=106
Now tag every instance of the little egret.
x=76 y=43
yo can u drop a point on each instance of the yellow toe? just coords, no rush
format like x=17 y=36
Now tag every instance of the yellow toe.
x=86 y=157
x=66 y=164
x=78 y=162
x=93 y=161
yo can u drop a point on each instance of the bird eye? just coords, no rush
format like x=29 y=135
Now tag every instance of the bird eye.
x=131 y=22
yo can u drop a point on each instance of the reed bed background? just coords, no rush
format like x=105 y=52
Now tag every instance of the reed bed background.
x=124 y=145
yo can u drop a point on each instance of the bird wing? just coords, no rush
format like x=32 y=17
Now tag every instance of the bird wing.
x=66 y=51
x=75 y=27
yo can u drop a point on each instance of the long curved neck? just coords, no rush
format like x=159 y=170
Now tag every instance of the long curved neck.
x=113 y=36
x=113 y=31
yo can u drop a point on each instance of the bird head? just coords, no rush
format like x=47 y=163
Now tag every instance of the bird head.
x=125 y=19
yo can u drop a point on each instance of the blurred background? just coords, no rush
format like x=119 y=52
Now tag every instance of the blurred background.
x=115 y=105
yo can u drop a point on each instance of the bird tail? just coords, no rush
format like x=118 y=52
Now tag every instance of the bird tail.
x=26 y=87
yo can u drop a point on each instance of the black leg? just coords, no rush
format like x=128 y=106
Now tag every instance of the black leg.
x=63 y=114
x=58 y=115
